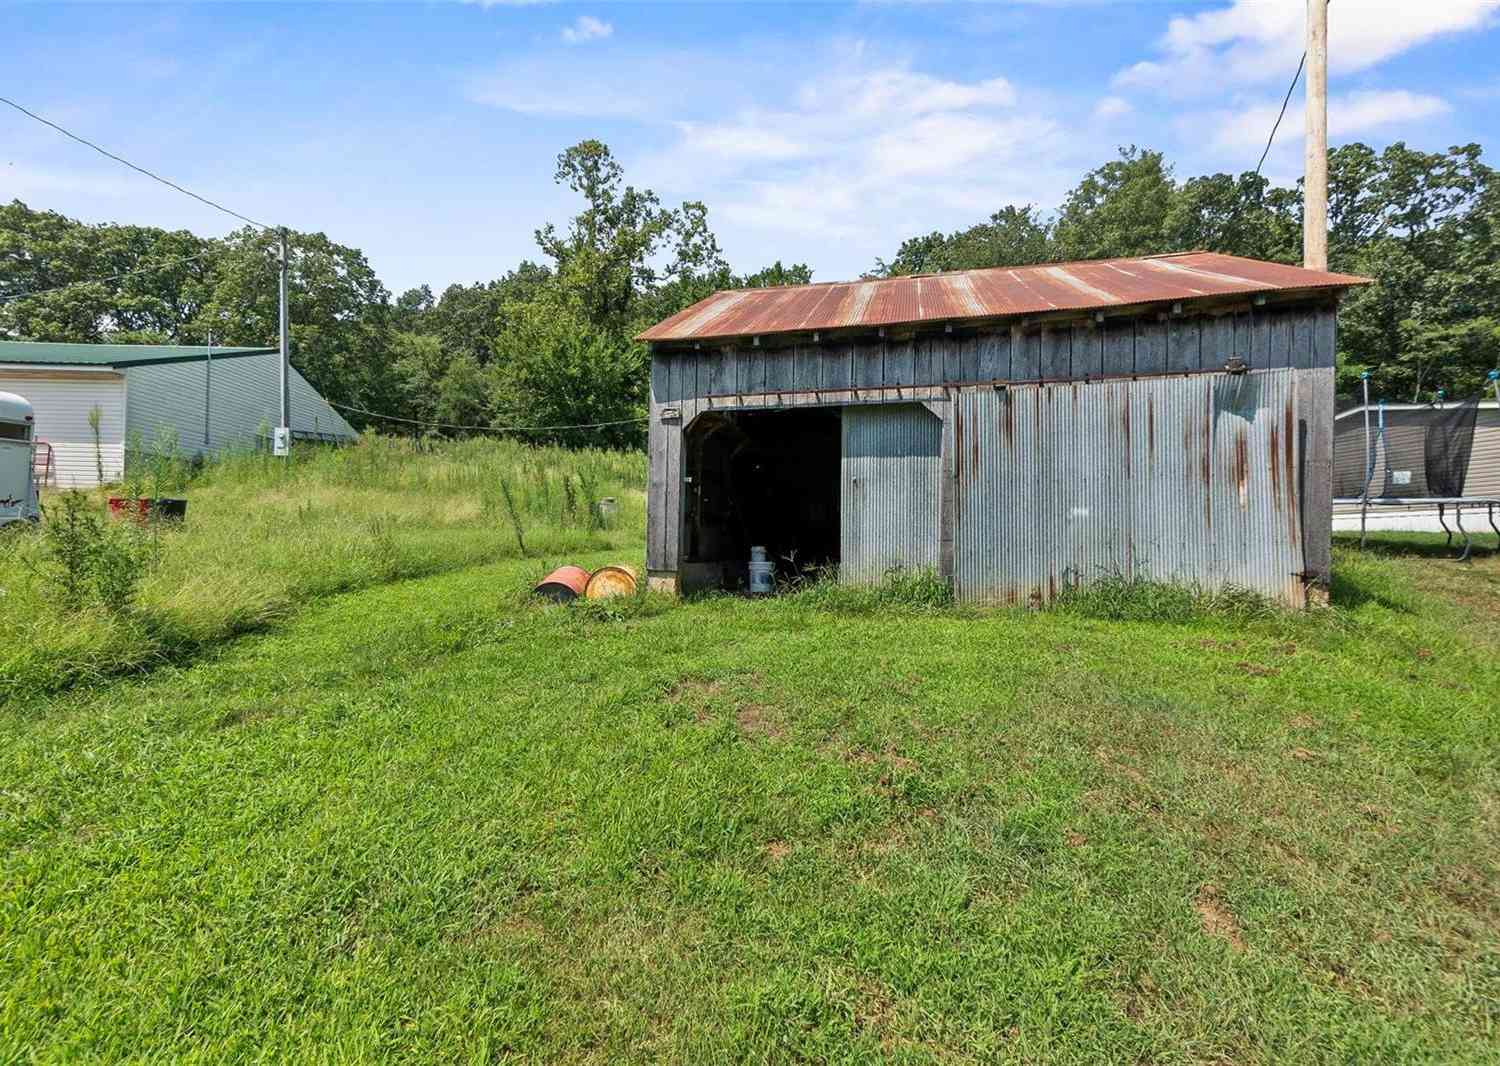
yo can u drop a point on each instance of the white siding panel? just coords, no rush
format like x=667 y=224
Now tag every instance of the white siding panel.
x=62 y=406
x=238 y=397
x=1483 y=478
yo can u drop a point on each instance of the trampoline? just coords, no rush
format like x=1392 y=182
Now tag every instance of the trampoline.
x=1447 y=444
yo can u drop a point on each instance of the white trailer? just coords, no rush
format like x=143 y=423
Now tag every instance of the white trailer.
x=18 y=502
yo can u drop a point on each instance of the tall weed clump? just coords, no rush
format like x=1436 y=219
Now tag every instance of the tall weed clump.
x=1116 y=598
x=85 y=560
x=918 y=591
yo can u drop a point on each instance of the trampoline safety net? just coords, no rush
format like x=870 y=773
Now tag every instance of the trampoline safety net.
x=1448 y=444
x=1446 y=440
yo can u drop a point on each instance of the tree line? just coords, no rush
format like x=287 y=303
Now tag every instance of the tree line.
x=549 y=343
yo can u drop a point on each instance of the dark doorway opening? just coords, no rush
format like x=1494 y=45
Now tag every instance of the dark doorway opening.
x=760 y=478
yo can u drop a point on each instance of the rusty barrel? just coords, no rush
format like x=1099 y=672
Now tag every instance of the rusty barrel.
x=564 y=584
x=611 y=581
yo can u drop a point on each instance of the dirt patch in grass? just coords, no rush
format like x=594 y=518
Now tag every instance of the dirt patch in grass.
x=1303 y=721
x=1218 y=920
x=1075 y=839
x=865 y=757
x=1210 y=644
x=777 y=850
x=695 y=694
x=1257 y=669
x=758 y=720
x=694 y=690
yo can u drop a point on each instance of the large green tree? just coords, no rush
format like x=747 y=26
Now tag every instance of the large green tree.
x=62 y=280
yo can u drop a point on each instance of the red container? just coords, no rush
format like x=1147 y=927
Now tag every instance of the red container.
x=563 y=585
x=124 y=507
x=145 y=507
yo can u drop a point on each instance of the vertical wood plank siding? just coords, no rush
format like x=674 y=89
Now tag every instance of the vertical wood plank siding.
x=749 y=376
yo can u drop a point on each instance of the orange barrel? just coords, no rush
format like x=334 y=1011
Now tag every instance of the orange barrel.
x=611 y=581
x=564 y=584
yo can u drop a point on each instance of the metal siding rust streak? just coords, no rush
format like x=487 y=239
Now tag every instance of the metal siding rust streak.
x=1171 y=479
x=890 y=513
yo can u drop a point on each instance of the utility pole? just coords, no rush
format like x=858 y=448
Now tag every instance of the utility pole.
x=283 y=441
x=1315 y=165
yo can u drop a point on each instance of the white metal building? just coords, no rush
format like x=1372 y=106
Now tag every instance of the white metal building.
x=214 y=398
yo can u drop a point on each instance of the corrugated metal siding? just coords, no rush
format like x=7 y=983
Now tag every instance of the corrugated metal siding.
x=1191 y=480
x=62 y=406
x=242 y=400
x=891 y=485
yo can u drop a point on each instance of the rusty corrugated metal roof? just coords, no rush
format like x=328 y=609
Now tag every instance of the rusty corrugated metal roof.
x=991 y=293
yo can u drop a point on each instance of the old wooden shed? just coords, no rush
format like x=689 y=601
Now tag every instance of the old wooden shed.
x=1016 y=430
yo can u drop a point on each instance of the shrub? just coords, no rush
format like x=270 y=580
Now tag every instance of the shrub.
x=86 y=559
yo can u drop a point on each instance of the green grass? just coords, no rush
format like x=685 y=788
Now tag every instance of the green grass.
x=434 y=821
x=263 y=538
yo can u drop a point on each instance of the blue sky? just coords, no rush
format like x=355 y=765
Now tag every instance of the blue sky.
x=426 y=134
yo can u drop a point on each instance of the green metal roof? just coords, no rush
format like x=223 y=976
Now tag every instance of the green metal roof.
x=50 y=353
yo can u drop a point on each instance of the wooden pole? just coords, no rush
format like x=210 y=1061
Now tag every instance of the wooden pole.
x=1315 y=170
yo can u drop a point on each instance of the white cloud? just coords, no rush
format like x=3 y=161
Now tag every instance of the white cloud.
x=865 y=154
x=586 y=28
x=1349 y=115
x=744 y=139
x=1256 y=41
x=1111 y=107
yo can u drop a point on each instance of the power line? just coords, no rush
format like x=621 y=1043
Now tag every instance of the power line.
x=487 y=429
x=7 y=298
x=142 y=170
x=1286 y=100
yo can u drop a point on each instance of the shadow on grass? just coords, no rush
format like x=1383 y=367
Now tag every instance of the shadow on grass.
x=1419 y=545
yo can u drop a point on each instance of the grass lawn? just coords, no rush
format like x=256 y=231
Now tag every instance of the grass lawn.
x=432 y=821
